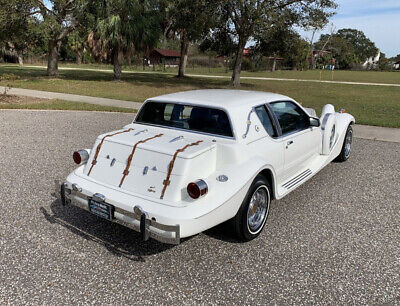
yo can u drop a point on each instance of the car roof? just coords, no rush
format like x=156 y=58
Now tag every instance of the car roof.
x=221 y=98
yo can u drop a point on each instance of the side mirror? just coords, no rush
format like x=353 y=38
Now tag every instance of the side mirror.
x=314 y=122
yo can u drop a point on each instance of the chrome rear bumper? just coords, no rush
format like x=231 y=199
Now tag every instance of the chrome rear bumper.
x=137 y=220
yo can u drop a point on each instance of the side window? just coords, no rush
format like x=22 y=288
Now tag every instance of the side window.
x=265 y=120
x=291 y=117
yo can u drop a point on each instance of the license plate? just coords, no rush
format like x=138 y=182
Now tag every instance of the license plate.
x=102 y=210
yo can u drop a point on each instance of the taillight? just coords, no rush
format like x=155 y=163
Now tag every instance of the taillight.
x=80 y=157
x=197 y=189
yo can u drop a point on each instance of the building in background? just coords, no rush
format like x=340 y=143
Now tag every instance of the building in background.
x=372 y=62
x=165 y=57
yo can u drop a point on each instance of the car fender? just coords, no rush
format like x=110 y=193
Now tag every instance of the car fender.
x=247 y=172
x=343 y=120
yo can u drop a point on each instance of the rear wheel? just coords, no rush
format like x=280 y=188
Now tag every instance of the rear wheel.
x=253 y=213
x=346 y=149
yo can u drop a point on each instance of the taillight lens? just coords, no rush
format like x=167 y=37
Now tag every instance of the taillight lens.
x=197 y=189
x=80 y=156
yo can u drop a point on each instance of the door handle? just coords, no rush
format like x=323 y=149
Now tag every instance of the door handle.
x=289 y=143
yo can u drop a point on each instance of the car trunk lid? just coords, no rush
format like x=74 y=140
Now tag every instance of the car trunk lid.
x=150 y=162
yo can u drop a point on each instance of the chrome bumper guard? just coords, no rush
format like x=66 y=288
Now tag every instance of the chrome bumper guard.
x=147 y=227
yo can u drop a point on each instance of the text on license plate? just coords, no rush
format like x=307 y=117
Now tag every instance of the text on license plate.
x=103 y=210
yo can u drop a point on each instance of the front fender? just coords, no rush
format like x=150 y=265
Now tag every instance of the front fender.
x=343 y=120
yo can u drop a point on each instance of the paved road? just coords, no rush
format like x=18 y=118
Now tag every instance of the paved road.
x=333 y=241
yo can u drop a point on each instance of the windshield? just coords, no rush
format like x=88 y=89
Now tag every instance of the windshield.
x=187 y=117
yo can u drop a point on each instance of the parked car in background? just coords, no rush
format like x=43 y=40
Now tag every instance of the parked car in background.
x=192 y=160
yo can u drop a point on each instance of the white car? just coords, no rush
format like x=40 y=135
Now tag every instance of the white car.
x=192 y=160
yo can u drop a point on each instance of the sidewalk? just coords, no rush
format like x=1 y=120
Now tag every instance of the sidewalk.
x=377 y=133
x=361 y=131
x=71 y=97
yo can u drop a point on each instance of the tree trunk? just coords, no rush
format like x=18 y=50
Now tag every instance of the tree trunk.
x=235 y=81
x=20 y=60
x=78 y=57
x=273 y=65
x=52 y=58
x=184 y=55
x=117 y=62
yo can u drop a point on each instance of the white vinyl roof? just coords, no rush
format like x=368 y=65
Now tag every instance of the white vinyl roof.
x=237 y=103
x=221 y=98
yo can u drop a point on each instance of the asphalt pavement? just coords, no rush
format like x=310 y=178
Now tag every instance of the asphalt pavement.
x=335 y=240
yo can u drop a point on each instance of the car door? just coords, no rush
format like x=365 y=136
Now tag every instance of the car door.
x=300 y=141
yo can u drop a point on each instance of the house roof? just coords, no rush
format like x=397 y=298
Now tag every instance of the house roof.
x=168 y=53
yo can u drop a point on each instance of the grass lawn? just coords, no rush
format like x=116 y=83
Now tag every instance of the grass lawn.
x=389 y=77
x=371 y=105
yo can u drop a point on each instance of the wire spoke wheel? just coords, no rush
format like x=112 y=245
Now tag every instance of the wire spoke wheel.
x=258 y=209
x=348 y=142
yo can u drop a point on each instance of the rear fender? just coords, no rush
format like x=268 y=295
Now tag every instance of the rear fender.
x=253 y=168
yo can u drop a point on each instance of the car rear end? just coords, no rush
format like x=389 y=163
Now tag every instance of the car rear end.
x=153 y=176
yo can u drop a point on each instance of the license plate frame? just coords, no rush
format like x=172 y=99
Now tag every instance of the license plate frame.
x=101 y=209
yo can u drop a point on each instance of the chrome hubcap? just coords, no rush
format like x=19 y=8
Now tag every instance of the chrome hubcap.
x=258 y=209
x=347 y=146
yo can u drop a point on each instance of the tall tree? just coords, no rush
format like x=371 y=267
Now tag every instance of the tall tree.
x=348 y=47
x=282 y=41
x=191 y=20
x=364 y=48
x=243 y=18
x=77 y=42
x=60 y=18
x=19 y=27
x=341 y=51
x=128 y=25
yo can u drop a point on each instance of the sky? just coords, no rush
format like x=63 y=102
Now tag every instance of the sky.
x=378 y=19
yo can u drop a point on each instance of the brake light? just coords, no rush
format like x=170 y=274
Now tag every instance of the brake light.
x=80 y=157
x=197 y=189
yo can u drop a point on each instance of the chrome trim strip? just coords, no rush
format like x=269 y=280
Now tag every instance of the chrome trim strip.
x=325 y=120
x=299 y=180
x=288 y=182
x=294 y=181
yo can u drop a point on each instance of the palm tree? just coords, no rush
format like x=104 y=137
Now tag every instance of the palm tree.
x=128 y=26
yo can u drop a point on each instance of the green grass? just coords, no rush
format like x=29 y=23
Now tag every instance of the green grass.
x=373 y=105
x=67 y=105
x=389 y=77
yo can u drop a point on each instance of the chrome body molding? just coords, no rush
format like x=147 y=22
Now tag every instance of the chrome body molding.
x=296 y=180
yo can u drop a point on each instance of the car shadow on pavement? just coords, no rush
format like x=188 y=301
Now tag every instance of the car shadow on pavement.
x=117 y=239
x=223 y=232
